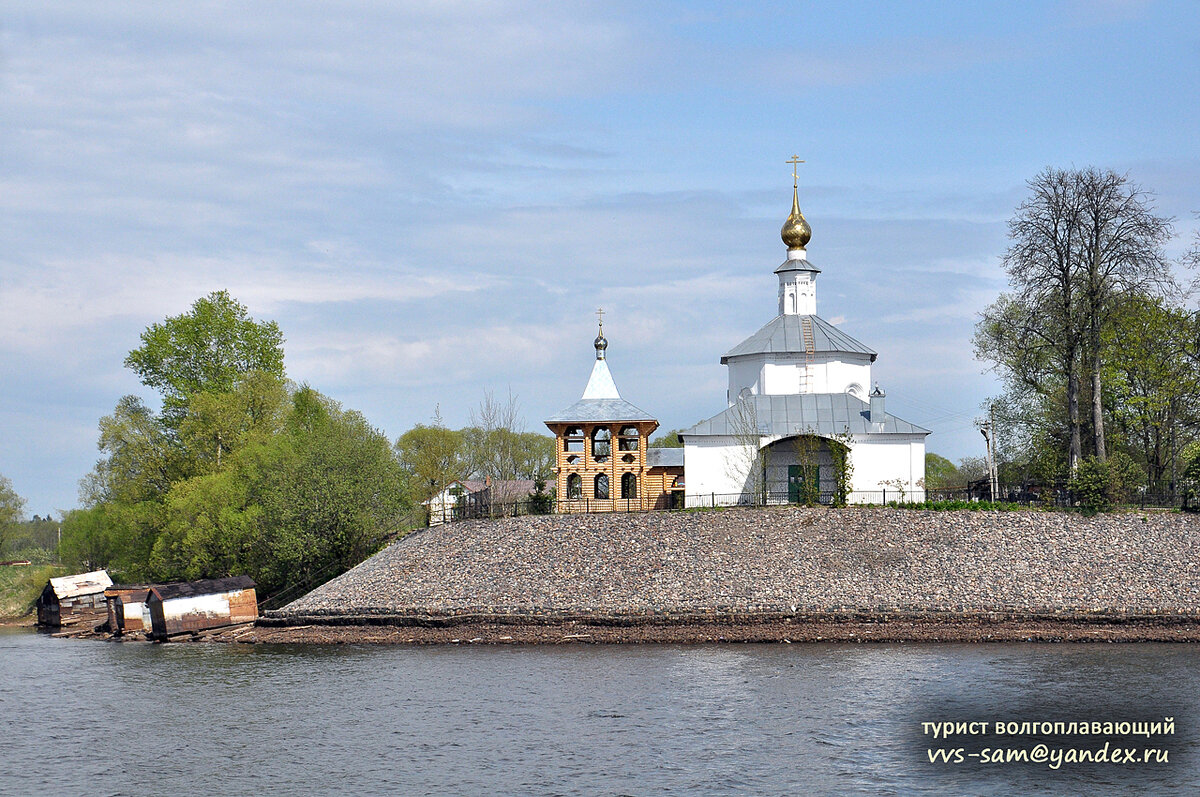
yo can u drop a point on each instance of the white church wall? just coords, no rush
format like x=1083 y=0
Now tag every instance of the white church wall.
x=743 y=374
x=879 y=460
x=715 y=468
x=782 y=374
x=782 y=377
x=837 y=375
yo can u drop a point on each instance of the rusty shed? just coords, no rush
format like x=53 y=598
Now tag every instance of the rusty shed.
x=82 y=593
x=197 y=605
x=126 y=605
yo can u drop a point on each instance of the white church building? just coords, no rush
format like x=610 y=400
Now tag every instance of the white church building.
x=799 y=401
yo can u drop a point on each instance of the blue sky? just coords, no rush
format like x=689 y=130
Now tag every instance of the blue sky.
x=432 y=199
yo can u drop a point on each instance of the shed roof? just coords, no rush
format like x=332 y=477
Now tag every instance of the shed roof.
x=124 y=589
x=823 y=414
x=208 y=586
x=784 y=335
x=81 y=584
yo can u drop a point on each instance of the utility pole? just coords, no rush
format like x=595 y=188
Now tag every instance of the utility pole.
x=994 y=473
x=985 y=429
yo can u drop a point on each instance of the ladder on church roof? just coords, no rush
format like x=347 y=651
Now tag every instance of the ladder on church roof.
x=806 y=379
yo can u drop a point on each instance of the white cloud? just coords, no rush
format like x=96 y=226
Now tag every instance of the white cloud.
x=464 y=355
x=42 y=310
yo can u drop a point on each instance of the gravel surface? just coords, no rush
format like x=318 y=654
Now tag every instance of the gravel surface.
x=768 y=565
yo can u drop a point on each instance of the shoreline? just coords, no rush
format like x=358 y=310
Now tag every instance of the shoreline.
x=857 y=628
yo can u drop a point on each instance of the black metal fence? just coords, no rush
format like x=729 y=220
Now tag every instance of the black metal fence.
x=1047 y=496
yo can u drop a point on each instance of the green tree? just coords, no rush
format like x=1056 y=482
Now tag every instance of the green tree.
x=1154 y=387
x=304 y=504
x=331 y=491
x=1080 y=243
x=86 y=538
x=206 y=349
x=12 y=510
x=1120 y=256
x=1092 y=485
x=432 y=457
x=669 y=439
x=37 y=533
x=940 y=473
x=140 y=461
x=216 y=424
x=239 y=474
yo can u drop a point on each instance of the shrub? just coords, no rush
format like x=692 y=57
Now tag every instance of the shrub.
x=1126 y=476
x=540 y=502
x=1093 y=486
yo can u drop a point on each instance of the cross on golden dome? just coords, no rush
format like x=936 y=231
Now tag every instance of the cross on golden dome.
x=796 y=232
x=795 y=161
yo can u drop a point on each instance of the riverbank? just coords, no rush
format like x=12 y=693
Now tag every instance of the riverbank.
x=776 y=574
x=743 y=630
x=20 y=586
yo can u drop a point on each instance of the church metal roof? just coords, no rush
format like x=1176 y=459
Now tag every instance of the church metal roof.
x=588 y=410
x=784 y=335
x=823 y=414
x=664 y=457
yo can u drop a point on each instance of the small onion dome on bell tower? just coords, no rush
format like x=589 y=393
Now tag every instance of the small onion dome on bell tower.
x=601 y=343
x=795 y=232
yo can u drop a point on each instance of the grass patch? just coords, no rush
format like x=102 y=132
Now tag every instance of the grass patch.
x=21 y=585
x=959 y=506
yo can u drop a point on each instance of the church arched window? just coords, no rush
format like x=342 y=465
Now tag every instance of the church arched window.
x=628 y=440
x=574 y=486
x=601 y=488
x=601 y=443
x=628 y=486
x=573 y=440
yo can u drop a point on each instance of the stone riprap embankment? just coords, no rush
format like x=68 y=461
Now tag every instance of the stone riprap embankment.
x=772 y=564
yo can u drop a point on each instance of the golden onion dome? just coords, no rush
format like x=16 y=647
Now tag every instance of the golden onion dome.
x=796 y=233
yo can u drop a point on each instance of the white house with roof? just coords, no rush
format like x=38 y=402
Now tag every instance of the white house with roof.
x=798 y=388
x=469 y=497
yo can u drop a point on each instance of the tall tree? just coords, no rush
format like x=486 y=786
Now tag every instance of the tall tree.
x=1120 y=255
x=1082 y=240
x=1034 y=335
x=206 y=349
x=1154 y=395
x=497 y=445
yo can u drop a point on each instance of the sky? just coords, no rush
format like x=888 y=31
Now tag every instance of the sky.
x=432 y=199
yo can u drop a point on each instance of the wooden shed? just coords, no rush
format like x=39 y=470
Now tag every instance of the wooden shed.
x=197 y=605
x=82 y=593
x=125 y=607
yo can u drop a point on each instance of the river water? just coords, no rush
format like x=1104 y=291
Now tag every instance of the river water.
x=105 y=718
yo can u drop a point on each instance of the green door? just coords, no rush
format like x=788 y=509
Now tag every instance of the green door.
x=795 y=484
x=797 y=492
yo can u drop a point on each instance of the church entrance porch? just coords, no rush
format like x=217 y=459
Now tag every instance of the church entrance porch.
x=801 y=470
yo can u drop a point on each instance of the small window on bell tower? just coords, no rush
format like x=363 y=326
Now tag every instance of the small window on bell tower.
x=601 y=444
